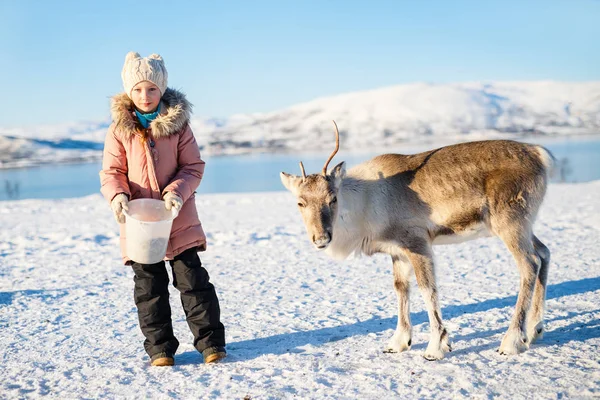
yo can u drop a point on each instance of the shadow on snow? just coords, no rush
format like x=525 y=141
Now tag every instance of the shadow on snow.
x=289 y=342
x=6 y=298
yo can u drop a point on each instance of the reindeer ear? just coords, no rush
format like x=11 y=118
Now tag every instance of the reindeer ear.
x=290 y=182
x=338 y=173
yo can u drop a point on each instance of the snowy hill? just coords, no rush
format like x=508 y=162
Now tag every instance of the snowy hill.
x=418 y=113
x=44 y=144
x=368 y=120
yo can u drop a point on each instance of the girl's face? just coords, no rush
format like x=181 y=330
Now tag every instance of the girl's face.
x=146 y=96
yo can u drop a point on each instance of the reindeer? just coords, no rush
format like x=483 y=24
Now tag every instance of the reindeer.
x=401 y=205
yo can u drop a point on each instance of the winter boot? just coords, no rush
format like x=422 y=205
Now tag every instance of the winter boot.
x=162 y=360
x=214 y=354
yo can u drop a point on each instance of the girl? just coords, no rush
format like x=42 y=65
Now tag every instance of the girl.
x=150 y=152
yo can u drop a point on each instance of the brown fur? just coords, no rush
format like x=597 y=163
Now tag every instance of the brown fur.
x=403 y=204
x=175 y=112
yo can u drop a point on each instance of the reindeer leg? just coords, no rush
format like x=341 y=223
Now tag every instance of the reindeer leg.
x=528 y=261
x=535 y=319
x=421 y=259
x=401 y=341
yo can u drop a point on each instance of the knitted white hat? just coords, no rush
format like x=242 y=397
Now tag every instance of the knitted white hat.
x=138 y=69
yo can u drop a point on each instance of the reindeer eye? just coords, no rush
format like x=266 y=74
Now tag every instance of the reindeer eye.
x=300 y=205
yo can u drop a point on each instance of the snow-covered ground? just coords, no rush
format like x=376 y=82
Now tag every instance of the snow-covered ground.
x=368 y=120
x=299 y=325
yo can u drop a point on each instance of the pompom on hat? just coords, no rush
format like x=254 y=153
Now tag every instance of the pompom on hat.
x=138 y=69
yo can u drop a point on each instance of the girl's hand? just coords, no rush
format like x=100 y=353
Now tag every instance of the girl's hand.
x=118 y=204
x=173 y=201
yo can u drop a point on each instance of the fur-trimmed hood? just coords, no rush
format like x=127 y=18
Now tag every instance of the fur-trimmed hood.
x=175 y=112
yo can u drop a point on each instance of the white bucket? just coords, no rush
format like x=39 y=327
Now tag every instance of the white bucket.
x=147 y=230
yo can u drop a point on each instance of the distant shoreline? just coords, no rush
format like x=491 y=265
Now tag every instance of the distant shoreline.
x=78 y=156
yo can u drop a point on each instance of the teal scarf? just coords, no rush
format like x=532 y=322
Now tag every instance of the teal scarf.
x=145 y=119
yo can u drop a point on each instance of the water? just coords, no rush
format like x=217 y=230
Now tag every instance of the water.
x=579 y=162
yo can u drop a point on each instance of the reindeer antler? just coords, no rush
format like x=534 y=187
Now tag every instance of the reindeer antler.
x=337 y=147
x=302 y=169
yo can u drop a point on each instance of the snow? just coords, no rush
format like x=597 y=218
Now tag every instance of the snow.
x=368 y=120
x=298 y=324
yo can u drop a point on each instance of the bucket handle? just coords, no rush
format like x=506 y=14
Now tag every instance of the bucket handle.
x=174 y=213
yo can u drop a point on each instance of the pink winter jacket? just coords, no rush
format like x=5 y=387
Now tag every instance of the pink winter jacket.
x=132 y=166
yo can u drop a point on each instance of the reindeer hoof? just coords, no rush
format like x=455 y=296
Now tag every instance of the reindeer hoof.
x=510 y=352
x=433 y=356
x=436 y=351
x=536 y=333
x=399 y=343
x=445 y=344
x=513 y=343
x=397 y=348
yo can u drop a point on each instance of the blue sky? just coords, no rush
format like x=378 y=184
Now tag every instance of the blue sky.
x=61 y=60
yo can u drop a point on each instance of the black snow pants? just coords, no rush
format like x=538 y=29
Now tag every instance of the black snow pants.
x=198 y=298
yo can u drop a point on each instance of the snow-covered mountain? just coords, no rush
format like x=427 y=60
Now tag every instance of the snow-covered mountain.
x=48 y=144
x=417 y=112
x=368 y=120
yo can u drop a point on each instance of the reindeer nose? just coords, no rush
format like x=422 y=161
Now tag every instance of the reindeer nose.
x=322 y=240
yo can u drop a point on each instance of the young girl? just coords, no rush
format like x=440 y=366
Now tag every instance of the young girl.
x=150 y=152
